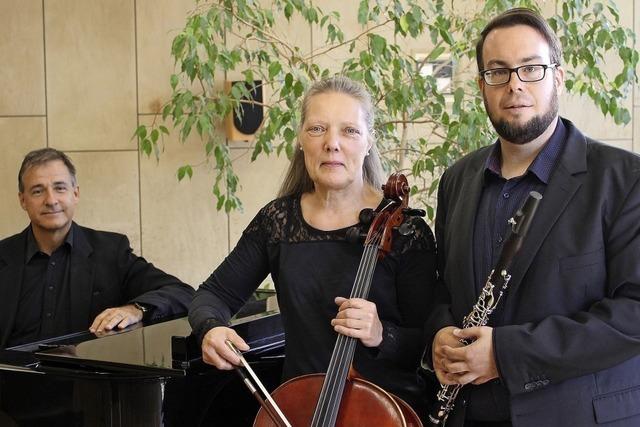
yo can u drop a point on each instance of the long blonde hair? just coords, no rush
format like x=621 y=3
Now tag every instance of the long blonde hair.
x=297 y=179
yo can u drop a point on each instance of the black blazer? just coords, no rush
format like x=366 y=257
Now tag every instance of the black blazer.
x=104 y=272
x=569 y=350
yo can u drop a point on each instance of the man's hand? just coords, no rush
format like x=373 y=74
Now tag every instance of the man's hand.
x=120 y=317
x=215 y=350
x=443 y=339
x=358 y=318
x=474 y=363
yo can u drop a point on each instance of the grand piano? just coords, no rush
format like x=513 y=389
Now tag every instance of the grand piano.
x=145 y=375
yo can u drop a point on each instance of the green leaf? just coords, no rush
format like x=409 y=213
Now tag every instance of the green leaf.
x=289 y=150
x=598 y=8
x=363 y=12
x=177 y=46
x=458 y=96
x=378 y=44
x=166 y=111
x=435 y=53
x=141 y=132
x=614 y=12
x=447 y=37
x=404 y=24
x=622 y=116
x=146 y=147
x=289 y=135
x=274 y=69
x=568 y=84
x=181 y=172
x=288 y=11
x=221 y=200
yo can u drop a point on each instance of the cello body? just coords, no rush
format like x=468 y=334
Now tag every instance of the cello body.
x=363 y=404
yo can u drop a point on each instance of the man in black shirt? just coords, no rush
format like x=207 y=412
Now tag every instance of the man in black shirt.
x=57 y=277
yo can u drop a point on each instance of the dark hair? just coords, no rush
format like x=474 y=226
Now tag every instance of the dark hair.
x=521 y=16
x=41 y=156
x=297 y=179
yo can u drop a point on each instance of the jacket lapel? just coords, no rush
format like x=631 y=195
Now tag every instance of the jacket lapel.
x=563 y=185
x=11 y=269
x=81 y=279
x=462 y=226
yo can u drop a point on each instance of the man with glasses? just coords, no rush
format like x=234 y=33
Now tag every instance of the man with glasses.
x=563 y=346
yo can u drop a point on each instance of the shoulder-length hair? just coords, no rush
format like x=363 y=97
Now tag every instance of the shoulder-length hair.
x=297 y=179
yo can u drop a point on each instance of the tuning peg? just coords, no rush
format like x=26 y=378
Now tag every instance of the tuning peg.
x=406 y=229
x=366 y=216
x=414 y=212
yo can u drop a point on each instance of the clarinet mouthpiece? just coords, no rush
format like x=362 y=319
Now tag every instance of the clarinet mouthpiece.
x=525 y=214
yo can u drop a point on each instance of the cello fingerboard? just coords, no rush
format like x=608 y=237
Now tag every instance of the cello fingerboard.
x=326 y=411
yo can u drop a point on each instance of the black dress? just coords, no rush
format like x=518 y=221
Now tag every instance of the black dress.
x=309 y=268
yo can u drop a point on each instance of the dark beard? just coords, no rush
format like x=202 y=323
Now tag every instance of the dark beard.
x=522 y=134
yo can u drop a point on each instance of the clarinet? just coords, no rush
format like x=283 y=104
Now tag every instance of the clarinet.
x=488 y=300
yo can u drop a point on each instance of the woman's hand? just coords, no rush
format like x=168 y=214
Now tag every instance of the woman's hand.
x=215 y=350
x=358 y=318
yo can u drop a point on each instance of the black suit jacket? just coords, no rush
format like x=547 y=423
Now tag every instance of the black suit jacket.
x=104 y=272
x=569 y=347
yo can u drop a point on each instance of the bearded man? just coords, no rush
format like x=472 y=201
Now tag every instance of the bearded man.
x=563 y=346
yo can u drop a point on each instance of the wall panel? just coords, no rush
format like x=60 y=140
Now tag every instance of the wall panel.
x=91 y=85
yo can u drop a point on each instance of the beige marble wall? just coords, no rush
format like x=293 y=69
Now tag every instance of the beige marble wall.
x=81 y=74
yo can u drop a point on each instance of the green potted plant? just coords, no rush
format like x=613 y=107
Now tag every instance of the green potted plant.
x=424 y=122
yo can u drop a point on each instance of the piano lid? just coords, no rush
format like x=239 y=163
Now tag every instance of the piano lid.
x=146 y=351
x=18 y=361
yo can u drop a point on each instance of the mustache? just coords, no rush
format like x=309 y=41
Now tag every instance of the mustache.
x=515 y=101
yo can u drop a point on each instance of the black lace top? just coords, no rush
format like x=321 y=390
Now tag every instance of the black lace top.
x=310 y=267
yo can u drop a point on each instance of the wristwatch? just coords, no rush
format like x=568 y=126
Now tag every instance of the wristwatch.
x=143 y=308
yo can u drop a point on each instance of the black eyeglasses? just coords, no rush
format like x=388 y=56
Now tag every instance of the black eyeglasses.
x=526 y=73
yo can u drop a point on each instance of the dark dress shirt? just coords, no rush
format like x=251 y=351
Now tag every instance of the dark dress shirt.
x=44 y=294
x=499 y=201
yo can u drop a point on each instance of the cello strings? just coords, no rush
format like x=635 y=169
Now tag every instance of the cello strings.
x=349 y=343
x=330 y=390
x=344 y=348
x=332 y=377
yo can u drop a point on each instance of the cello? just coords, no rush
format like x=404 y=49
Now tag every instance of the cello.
x=341 y=397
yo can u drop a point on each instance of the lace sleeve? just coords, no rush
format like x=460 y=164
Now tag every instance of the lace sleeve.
x=233 y=281
x=272 y=222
